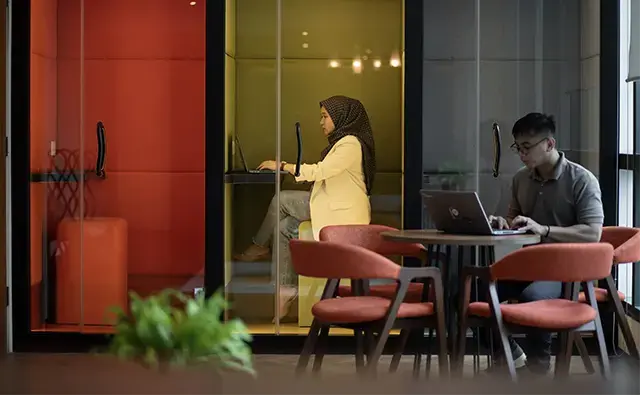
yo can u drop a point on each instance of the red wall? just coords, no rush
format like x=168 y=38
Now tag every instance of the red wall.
x=142 y=74
x=144 y=78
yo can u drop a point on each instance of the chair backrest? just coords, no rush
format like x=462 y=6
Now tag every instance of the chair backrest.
x=325 y=259
x=369 y=237
x=625 y=241
x=566 y=262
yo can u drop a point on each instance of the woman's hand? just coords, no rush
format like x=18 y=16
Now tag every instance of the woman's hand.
x=268 y=165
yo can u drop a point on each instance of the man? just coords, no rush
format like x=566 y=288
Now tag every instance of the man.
x=556 y=199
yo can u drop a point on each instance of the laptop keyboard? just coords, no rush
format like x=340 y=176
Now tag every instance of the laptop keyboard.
x=508 y=232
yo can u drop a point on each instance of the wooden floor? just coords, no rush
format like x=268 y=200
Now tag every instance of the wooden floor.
x=255 y=329
x=93 y=374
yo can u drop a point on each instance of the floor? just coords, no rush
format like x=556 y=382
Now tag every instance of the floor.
x=255 y=329
x=94 y=374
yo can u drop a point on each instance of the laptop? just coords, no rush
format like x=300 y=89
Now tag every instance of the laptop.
x=244 y=161
x=461 y=212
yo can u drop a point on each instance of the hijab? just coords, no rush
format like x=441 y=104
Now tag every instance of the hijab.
x=350 y=119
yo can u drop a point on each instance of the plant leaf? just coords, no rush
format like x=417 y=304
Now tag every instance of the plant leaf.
x=159 y=333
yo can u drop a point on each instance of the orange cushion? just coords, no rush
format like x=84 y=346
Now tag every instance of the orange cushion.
x=546 y=314
x=414 y=294
x=356 y=309
x=602 y=295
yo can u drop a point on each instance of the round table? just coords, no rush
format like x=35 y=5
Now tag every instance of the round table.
x=436 y=237
x=434 y=240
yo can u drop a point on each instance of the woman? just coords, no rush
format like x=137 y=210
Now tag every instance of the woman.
x=342 y=182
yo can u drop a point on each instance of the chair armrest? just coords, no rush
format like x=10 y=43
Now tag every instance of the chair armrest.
x=412 y=273
x=407 y=274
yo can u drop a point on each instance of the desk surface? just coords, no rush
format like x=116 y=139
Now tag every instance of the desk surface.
x=243 y=177
x=432 y=236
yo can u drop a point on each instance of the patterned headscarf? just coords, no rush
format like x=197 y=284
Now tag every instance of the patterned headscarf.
x=350 y=119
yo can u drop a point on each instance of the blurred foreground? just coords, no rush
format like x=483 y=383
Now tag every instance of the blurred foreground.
x=86 y=374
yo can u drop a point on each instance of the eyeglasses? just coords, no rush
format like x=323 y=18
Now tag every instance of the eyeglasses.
x=525 y=149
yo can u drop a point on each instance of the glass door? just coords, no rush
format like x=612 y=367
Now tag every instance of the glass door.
x=251 y=136
x=57 y=163
x=500 y=61
x=533 y=56
x=359 y=56
x=281 y=61
x=492 y=63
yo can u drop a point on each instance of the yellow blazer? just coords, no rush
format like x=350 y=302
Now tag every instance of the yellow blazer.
x=339 y=194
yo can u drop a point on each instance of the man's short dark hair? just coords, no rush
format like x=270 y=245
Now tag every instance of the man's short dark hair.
x=533 y=124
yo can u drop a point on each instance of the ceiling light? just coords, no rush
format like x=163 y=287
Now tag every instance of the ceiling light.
x=334 y=64
x=377 y=64
x=305 y=33
x=305 y=45
x=357 y=66
x=395 y=62
x=192 y=3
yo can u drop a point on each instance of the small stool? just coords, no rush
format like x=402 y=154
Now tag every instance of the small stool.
x=91 y=270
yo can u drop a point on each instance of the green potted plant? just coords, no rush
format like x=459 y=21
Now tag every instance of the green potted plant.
x=170 y=329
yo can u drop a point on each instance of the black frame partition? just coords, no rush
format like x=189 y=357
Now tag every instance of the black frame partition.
x=25 y=340
x=631 y=162
x=609 y=128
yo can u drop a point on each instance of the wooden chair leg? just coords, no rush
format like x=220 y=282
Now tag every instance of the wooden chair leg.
x=627 y=335
x=369 y=343
x=458 y=361
x=584 y=354
x=508 y=356
x=563 y=357
x=428 y=352
x=476 y=351
x=602 y=351
x=602 y=346
x=444 y=369
x=621 y=318
x=417 y=363
x=359 y=335
x=320 y=349
x=309 y=346
x=383 y=335
x=395 y=361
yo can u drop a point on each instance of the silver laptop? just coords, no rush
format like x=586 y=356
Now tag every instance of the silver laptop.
x=460 y=213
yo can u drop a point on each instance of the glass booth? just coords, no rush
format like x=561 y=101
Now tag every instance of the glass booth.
x=144 y=119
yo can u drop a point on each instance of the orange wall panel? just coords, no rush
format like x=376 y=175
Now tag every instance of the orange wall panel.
x=144 y=29
x=165 y=213
x=153 y=111
x=144 y=78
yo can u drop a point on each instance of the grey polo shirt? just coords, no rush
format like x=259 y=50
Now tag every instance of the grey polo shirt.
x=571 y=197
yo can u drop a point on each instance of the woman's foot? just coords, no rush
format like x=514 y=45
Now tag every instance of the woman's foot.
x=287 y=296
x=253 y=254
